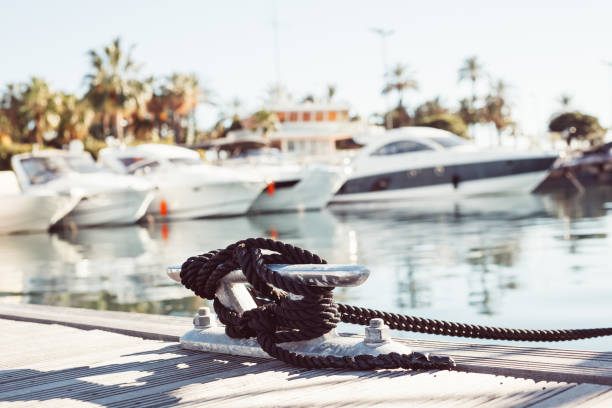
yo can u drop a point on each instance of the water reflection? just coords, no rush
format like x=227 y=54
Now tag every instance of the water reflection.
x=490 y=261
x=429 y=248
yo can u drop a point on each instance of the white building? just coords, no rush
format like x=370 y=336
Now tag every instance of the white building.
x=310 y=128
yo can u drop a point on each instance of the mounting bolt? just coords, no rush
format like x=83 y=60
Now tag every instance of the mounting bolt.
x=203 y=318
x=377 y=332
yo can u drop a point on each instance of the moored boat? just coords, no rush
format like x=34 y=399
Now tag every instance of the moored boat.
x=292 y=186
x=421 y=162
x=297 y=188
x=30 y=212
x=579 y=169
x=186 y=186
x=106 y=198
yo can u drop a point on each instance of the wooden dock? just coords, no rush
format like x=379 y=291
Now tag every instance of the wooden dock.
x=73 y=357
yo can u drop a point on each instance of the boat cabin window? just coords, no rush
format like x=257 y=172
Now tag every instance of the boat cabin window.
x=40 y=170
x=142 y=166
x=402 y=146
x=449 y=141
x=128 y=161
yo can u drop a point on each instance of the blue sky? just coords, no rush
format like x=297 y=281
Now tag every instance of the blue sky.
x=541 y=48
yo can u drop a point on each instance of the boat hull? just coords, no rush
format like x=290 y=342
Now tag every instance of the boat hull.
x=110 y=208
x=468 y=179
x=29 y=212
x=312 y=191
x=206 y=200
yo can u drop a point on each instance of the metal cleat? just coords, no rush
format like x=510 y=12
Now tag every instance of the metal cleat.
x=209 y=335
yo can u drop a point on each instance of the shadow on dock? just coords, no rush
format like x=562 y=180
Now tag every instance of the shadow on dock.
x=152 y=378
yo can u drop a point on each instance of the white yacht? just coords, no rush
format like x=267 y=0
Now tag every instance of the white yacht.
x=296 y=188
x=30 y=212
x=291 y=186
x=106 y=198
x=186 y=186
x=421 y=162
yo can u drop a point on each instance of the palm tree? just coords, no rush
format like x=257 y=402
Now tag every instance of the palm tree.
x=431 y=107
x=39 y=107
x=114 y=91
x=471 y=71
x=266 y=121
x=10 y=106
x=399 y=79
x=6 y=129
x=76 y=116
x=497 y=109
x=181 y=94
x=331 y=92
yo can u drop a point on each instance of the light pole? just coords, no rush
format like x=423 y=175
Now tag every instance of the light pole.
x=276 y=47
x=383 y=36
x=609 y=65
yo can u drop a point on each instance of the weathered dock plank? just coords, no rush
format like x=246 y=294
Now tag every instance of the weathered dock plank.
x=57 y=365
x=498 y=359
x=147 y=326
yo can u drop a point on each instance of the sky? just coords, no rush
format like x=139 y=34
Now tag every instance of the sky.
x=540 y=48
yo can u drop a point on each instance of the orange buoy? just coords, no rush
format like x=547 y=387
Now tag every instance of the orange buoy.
x=163 y=207
x=271 y=188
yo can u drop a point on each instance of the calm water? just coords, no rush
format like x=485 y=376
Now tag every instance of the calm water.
x=527 y=261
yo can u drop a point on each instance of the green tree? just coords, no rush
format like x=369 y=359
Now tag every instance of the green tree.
x=472 y=71
x=429 y=108
x=13 y=121
x=578 y=126
x=266 y=121
x=331 y=92
x=6 y=129
x=497 y=109
x=181 y=94
x=396 y=118
x=114 y=92
x=399 y=80
x=446 y=121
x=40 y=109
x=468 y=113
x=76 y=116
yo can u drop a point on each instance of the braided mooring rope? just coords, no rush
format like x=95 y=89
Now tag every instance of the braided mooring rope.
x=280 y=319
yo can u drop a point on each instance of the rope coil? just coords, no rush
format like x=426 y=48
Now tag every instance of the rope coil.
x=279 y=318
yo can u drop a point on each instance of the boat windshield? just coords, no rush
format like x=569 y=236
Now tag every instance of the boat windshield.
x=140 y=165
x=40 y=170
x=399 y=147
x=129 y=161
x=449 y=141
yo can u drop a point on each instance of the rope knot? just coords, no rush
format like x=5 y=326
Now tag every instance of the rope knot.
x=260 y=320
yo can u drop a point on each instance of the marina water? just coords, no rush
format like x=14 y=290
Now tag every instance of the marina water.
x=530 y=261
